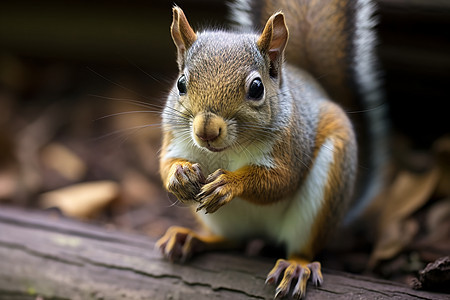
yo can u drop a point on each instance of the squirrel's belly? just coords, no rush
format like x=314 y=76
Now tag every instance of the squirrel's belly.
x=287 y=221
x=241 y=220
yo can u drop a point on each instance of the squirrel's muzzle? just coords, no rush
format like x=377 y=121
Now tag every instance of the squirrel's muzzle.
x=210 y=131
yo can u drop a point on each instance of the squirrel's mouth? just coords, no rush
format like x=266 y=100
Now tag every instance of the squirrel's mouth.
x=214 y=149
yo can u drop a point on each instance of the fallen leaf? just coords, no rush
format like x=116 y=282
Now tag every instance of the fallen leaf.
x=58 y=157
x=409 y=192
x=395 y=238
x=83 y=200
x=406 y=195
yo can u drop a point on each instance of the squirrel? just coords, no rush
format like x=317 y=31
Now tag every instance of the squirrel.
x=255 y=131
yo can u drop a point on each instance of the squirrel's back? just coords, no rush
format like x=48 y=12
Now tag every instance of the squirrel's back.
x=335 y=42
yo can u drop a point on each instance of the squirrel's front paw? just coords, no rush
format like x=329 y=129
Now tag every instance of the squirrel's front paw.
x=185 y=181
x=218 y=191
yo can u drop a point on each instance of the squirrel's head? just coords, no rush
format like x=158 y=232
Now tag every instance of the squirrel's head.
x=229 y=83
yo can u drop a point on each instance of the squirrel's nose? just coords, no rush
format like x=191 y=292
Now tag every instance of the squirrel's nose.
x=208 y=134
x=208 y=127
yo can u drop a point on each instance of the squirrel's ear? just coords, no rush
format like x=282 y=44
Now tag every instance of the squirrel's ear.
x=273 y=40
x=182 y=34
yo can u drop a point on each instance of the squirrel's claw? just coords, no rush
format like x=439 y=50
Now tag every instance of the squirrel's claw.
x=214 y=203
x=178 y=244
x=185 y=181
x=217 y=192
x=297 y=271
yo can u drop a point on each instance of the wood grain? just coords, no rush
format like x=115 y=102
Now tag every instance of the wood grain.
x=56 y=258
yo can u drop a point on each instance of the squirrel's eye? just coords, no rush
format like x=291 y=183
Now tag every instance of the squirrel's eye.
x=181 y=85
x=256 y=89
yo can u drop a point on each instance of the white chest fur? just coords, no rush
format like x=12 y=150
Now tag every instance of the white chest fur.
x=182 y=146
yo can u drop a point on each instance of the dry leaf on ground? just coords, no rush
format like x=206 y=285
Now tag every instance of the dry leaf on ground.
x=58 y=157
x=403 y=198
x=82 y=200
x=406 y=195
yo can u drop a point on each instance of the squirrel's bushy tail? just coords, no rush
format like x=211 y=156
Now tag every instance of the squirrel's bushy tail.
x=335 y=41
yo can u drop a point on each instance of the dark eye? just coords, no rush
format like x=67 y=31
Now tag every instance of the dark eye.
x=256 y=89
x=181 y=85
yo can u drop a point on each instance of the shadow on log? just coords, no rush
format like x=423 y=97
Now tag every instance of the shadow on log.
x=44 y=257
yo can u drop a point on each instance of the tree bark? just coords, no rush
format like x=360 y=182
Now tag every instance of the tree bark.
x=45 y=257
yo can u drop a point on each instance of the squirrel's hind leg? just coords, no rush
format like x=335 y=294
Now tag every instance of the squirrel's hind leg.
x=296 y=271
x=180 y=244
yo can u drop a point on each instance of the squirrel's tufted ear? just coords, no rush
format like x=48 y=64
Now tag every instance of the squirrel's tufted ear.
x=182 y=34
x=273 y=41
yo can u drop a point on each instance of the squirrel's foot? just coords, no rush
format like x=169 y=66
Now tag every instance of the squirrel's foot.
x=179 y=243
x=185 y=180
x=218 y=191
x=297 y=271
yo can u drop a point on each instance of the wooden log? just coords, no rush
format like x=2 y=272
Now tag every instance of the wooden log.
x=45 y=257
